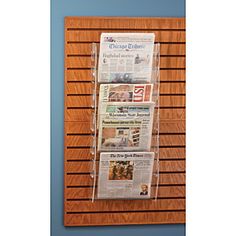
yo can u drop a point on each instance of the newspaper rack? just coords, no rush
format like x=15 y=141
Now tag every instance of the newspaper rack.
x=95 y=154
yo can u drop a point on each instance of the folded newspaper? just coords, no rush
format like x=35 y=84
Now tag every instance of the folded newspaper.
x=125 y=57
x=125 y=126
x=124 y=93
x=125 y=174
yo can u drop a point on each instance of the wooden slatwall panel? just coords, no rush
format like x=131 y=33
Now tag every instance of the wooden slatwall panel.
x=80 y=32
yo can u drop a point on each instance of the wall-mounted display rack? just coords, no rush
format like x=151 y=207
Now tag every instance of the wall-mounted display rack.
x=154 y=133
x=80 y=207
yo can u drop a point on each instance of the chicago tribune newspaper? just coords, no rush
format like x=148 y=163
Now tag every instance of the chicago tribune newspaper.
x=125 y=57
x=125 y=174
x=125 y=126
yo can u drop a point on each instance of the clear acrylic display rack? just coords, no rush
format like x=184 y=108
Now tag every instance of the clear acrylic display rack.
x=95 y=155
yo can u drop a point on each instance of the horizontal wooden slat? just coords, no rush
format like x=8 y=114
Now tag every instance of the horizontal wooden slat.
x=124 y=205
x=172 y=88
x=85 y=154
x=172 y=140
x=78 y=127
x=78 y=141
x=172 y=153
x=84 y=115
x=86 y=180
x=163 y=192
x=79 y=88
x=85 y=75
x=86 y=49
x=87 y=101
x=85 y=62
x=88 y=88
x=169 y=126
x=94 y=35
x=124 y=218
x=79 y=101
x=124 y=23
x=87 y=140
x=86 y=166
x=86 y=127
x=172 y=114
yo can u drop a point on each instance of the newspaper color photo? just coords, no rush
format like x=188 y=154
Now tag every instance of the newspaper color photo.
x=123 y=93
x=125 y=175
x=126 y=57
x=125 y=126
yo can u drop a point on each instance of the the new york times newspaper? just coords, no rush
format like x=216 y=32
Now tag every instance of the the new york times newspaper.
x=125 y=126
x=125 y=174
x=125 y=57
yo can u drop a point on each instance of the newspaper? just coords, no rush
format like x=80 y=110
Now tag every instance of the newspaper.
x=124 y=93
x=125 y=174
x=125 y=57
x=125 y=126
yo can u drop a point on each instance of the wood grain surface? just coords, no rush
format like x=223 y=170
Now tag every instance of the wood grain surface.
x=169 y=207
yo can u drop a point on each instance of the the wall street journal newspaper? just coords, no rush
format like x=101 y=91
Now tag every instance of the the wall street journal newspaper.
x=125 y=174
x=124 y=93
x=125 y=126
x=125 y=57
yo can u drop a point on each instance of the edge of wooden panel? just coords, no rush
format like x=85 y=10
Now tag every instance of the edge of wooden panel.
x=85 y=22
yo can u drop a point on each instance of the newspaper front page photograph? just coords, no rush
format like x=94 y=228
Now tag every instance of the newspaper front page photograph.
x=125 y=126
x=123 y=93
x=125 y=174
x=125 y=57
